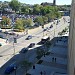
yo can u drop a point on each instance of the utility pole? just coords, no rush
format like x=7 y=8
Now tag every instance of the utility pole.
x=43 y=29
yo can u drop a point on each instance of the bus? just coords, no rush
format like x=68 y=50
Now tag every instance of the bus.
x=45 y=39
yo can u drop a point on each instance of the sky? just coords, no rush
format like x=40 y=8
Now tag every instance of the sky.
x=58 y=2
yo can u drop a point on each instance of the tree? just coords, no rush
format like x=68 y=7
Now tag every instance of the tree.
x=25 y=9
x=58 y=14
x=45 y=19
x=27 y=23
x=14 y=4
x=49 y=17
x=5 y=22
x=39 y=52
x=25 y=64
x=39 y=20
x=19 y=24
x=36 y=9
x=47 y=45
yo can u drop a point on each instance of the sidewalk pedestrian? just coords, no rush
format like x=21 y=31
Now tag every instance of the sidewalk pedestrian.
x=53 y=59
x=33 y=66
x=41 y=73
x=6 y=40
x=17 y=35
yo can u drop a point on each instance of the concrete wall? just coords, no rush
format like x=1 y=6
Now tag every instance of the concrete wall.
x=71 y=43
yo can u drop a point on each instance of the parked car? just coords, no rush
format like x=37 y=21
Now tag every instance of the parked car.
x=10 y=68
x=68 y=21
x=0 y=30
x=1 y=36
x=6 y=32
x=24 y=50
x=29 y=37
x=44 y=29
x=0 y=44
x=12 y=33
x=31 y=45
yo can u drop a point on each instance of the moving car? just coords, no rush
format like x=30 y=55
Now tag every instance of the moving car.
x=10 y=68
x=45 y=39
x=12 y=33
x=31 y=45
x=24 y=50
x=51 y=26
x=0 y=44
x=6 y=32
x=44 y=29
x=29 y=37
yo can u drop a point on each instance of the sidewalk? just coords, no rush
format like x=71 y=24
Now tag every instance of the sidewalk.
x=49 y=64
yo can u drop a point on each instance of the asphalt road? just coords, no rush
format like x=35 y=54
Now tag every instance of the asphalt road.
x=8 y=50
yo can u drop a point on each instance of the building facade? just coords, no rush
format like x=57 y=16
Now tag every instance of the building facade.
x=71 y=43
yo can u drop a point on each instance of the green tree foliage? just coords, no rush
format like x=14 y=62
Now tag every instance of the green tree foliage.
x=47 y=45
x=45 y=10
x=5 y=23
x=36 y=9
x=14 y=4
x=45 y=19
x=27 y=23
x=26 y=64
x=39 y=20
x=39 y=52
x=19 y=24
x=25 y=9
x=49 y=17
x=58 y=15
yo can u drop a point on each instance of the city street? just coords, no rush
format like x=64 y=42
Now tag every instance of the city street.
x=7 y=51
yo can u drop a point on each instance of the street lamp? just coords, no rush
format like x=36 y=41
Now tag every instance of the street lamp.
x=15 y=41
x=43 y=30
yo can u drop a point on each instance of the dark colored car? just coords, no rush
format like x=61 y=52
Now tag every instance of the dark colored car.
x=6 y=32
x=24 y=50
x=1 y=36
x=31 y=45
x=29 y=37
x=0 y=30
x=51 y=26
x=44 y=29
x=10 y=69
x=68 y=21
